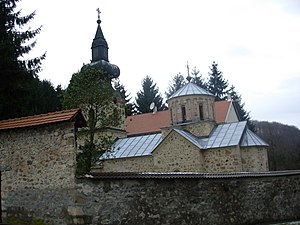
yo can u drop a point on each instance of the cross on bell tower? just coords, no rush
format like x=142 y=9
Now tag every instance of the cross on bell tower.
x=98 y=10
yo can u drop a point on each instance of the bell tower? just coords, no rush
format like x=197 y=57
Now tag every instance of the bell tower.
x=99 y=45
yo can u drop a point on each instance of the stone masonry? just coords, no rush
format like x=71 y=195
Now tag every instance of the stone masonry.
x=41 y=160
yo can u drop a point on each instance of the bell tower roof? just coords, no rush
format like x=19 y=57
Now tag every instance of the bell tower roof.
x=99 y=45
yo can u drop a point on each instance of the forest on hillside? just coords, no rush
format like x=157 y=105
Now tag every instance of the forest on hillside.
x=284 y=144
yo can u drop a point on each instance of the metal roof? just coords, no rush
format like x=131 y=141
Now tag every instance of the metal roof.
x=224 y=135
x=190 y=89
x=251 y=139
x=189 y=175
x=135 y=146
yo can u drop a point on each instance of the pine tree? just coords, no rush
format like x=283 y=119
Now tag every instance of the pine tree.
x=147 y=95
x=243 y=115
x=176 y=83
x=129 y=107
x=197 y=78
x=217 y=85
x=17 y=75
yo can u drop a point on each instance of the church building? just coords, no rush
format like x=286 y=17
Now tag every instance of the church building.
x=191 y=136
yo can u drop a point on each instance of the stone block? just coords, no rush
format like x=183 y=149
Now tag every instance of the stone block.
x=75 y=211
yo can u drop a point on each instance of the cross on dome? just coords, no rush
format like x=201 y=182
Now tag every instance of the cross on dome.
x=188 y=72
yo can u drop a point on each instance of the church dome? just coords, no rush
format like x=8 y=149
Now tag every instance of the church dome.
x=191 y=103
x=190 y=89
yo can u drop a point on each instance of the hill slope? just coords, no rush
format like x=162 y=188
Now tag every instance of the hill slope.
x=284 y=141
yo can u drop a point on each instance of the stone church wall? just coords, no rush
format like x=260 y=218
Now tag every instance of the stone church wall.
x=131 y=164
x=254 y=159
x=176 y=154
x=223 y=160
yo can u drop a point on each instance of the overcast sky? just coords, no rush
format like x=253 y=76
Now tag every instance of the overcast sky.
x=255 y=42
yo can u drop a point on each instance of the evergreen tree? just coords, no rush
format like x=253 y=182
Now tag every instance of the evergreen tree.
x=176 y=83
x=147 y=95
x=17 y=75
x=129 y=107
x=197 y=78
x=217 y=85
x=60 y=96
x=243 y=115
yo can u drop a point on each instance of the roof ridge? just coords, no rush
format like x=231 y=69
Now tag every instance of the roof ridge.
x=141 y=114
x=40 y=115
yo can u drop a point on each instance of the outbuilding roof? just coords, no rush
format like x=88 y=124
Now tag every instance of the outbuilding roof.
x=53 y=117
x=190 y=89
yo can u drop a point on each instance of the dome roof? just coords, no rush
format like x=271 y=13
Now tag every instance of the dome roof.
x=190 y=89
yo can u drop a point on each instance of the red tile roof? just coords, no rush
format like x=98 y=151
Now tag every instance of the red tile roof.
x=53 y=117
x=147 y=122
x=151 y=123
x=221 y=110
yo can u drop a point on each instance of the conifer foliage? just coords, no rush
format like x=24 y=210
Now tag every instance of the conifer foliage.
x=197 y=78
x=147 y=95
x=129 y=107
x=243 y=115
x=217 y=85
x=21 y=92
x=176 y=83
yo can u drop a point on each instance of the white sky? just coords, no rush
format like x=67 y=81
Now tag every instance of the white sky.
x=255 y=42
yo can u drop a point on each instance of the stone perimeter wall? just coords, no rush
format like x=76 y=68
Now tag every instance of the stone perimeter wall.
x=190 y=201
x=42 y=165
x=234 y=201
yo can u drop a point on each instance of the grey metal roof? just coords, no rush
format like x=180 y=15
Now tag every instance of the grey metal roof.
x=251 y=139
x=135 y=146
x=190 y=89
x=224 y=135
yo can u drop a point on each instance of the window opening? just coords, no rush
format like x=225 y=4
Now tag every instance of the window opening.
x=183 y=113
x=201 y=112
